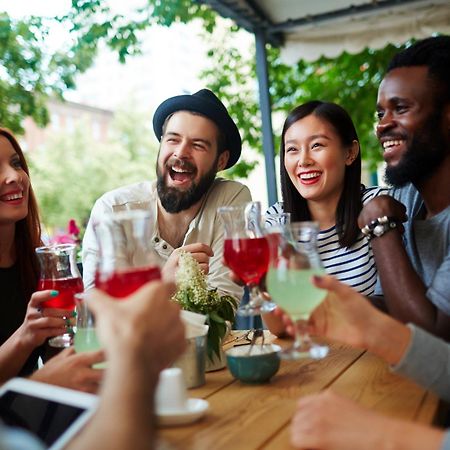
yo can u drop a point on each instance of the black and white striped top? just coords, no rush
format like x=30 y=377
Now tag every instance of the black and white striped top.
x=355 y=265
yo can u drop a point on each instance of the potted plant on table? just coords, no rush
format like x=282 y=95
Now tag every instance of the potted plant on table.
x=194 y=295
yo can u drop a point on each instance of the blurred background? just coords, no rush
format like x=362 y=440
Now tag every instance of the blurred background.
x=80 y=80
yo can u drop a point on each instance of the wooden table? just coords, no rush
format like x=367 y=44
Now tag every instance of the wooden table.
x=244 y=416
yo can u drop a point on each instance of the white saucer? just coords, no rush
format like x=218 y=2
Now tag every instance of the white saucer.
x=195 y=408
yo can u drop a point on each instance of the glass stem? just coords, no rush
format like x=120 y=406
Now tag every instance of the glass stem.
x=302 y=338
x=255 y=295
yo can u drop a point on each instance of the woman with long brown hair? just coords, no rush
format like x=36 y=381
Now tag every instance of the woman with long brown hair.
x=24 y=323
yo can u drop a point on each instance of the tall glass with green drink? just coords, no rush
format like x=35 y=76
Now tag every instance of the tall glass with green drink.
x=294 y=260
x=85 y=337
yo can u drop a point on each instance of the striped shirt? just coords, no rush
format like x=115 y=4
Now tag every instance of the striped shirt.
x=354 y=265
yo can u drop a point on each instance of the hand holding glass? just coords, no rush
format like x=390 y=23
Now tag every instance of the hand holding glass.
x=59 y=272
x=294 y=260
x=127 y=260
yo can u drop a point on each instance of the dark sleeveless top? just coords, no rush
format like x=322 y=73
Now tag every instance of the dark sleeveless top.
x=13 y=306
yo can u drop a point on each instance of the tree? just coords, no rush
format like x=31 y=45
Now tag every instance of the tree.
x=72 y=171
x=32 y=72
x=349 y=80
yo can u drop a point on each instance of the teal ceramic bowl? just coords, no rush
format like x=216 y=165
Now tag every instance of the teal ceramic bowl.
x=257 y=367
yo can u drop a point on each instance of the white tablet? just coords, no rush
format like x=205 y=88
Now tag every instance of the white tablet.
x=53 y=414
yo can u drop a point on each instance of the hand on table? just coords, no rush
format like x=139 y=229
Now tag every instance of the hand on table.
x=327 y=421
x=72 y=370
x=200 y=252
x=41 y=323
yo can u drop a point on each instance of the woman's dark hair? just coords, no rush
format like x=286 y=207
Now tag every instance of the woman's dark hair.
x=349 y=205
x=28 y=231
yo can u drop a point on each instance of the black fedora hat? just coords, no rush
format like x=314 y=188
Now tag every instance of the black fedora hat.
x=206 y=103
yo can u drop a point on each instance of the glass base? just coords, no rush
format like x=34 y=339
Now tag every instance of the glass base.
x=256 y=309
x=313 y=351
x=63 y=341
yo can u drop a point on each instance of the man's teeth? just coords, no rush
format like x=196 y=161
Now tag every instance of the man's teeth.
x=388 y=144
x=13 y=196
x=307 y=176
x=178 y=170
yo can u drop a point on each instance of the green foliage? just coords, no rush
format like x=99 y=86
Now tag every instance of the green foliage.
x=194 y=295
x=30 y=72
x=72 y=171
x=350 y=80
x=23 y=87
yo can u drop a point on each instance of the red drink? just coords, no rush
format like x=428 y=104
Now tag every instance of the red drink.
x=66 y=287
x=122 y=283
x=247 y=258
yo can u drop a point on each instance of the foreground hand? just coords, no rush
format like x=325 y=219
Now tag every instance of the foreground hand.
x=327 y=421
x=42 y=323
x=200 y=252
x=72 y=370
x=346 y=316
x=146 y=325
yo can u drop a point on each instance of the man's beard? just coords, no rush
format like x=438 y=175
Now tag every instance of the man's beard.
x=175 y=200
x=425 y=153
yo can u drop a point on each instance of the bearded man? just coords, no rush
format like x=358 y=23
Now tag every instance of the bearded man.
x=413 y=128
x=198 y=139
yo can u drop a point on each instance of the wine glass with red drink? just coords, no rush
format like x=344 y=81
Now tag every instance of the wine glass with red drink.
x=126 y=259
x=246 y=253
x=59 y=272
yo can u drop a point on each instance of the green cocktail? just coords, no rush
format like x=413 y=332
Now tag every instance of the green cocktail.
x=293 y=291
x=86 y=340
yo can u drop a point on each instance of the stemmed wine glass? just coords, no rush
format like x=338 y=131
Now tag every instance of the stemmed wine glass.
x=246 y=252
x=59 y=272
x=294 y=260
x=127 y=260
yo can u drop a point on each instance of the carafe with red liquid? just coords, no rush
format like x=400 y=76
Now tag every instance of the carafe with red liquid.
x=59 y=272
x=126 y=259
x=246 y=252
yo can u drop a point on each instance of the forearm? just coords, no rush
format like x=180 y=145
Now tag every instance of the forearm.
x=125 y=416
x=388 y=338
x=427 y=361
x=404 y=291
x=406 y=435
x=13 y=355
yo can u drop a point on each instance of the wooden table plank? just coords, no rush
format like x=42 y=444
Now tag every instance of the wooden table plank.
x=249 y=417
x=239 y=411
x=370 y=383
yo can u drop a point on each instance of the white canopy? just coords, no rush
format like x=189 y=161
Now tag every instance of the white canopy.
x=354 y=32
x=308 y=29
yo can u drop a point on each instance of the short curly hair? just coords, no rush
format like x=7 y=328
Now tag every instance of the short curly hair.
x=433 y=52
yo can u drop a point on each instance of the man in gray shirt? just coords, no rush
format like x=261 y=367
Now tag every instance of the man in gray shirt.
x=413 y=128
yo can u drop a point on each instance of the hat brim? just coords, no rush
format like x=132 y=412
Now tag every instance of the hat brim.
x=196 y=104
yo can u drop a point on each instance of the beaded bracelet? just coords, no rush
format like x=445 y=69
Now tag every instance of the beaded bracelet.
x=379 y=226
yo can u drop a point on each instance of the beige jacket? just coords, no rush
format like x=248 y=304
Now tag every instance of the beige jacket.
x=205 y=228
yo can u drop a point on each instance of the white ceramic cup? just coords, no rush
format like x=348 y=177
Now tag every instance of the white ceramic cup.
x=171 y=391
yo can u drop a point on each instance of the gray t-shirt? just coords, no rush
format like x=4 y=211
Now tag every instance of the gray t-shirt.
x=427 y=243
x=427 y=362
